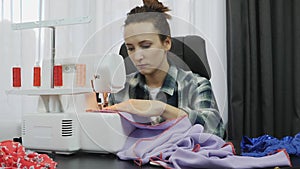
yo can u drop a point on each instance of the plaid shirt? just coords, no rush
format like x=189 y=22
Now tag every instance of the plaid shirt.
x=182 y=89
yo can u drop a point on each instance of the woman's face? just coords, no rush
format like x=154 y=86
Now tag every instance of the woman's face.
x=145 y=48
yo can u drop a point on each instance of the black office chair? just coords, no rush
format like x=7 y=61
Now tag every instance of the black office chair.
x=187 y=52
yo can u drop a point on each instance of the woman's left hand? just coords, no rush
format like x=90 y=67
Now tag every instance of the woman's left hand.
x=145 y=108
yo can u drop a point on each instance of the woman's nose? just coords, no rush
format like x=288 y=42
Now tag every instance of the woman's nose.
x=138 y=55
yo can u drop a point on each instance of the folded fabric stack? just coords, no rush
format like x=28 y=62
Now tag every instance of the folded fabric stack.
x=266 y=144
x=13 y=155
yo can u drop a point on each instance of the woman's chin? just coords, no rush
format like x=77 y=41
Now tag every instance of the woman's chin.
x=145 y=71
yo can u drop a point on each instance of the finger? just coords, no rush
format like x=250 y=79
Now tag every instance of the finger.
x=113 y=107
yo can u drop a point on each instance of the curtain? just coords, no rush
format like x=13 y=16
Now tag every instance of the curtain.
x=263 y=55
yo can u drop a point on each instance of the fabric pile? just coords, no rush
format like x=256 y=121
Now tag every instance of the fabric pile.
x=13 y=155
x=266 y=144
x=178 y=144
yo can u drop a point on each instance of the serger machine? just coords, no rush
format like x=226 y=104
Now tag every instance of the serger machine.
x=61 y=123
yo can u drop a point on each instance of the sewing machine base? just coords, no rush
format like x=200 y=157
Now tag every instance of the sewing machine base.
x=67 y=133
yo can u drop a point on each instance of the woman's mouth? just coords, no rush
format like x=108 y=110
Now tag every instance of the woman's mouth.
x=142 y=66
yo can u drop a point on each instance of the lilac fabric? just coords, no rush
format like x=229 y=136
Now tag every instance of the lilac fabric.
x=178 y=144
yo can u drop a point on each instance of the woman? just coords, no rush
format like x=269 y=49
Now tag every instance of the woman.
x=160 y=90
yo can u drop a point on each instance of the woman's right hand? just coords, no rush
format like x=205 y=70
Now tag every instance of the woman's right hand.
x=91 y=102
x=145 y=108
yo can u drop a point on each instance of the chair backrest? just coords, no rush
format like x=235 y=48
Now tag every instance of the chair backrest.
x=187 y=52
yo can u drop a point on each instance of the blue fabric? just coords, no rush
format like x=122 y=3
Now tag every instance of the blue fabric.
x=266 y=144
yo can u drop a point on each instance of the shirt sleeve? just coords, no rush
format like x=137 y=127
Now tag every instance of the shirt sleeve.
x=201 y=106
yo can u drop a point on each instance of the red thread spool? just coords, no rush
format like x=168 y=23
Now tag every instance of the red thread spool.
x=37 y=76
x=58 y=75
x=16 y=76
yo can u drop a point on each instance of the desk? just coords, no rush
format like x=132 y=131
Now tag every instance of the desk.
x=83 y=160
x=295 y=162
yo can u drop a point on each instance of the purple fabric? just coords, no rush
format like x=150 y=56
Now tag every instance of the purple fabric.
x=178 y=144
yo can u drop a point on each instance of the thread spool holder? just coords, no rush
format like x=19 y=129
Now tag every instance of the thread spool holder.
x=50 y=97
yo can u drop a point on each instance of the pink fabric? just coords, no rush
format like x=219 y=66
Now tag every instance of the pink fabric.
x=13 y=155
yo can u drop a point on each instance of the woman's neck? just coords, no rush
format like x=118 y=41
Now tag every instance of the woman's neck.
x=156 y=79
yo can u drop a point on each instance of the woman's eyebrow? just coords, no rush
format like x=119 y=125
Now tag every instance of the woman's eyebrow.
x=141 y=42
x=145 y=41
x=128 y=44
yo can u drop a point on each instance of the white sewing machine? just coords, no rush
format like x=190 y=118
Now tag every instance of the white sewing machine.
x=61 y=123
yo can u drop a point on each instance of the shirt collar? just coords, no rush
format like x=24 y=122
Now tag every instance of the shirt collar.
x=169 y=85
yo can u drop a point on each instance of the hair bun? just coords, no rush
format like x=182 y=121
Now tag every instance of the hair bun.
x=156 y=6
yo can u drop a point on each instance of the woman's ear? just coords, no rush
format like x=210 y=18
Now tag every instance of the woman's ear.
x=168 y=43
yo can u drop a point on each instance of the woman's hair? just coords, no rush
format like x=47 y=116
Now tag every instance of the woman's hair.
x=152 y=11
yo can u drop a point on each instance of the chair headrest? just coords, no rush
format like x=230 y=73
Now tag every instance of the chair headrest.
x=187 y=52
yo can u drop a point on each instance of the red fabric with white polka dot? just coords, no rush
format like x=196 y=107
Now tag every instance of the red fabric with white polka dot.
x=13 y=155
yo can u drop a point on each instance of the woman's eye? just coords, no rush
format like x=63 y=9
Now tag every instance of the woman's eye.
x=130 y=48
x=145 y=46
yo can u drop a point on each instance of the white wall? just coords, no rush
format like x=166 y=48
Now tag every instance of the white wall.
x=202 y=17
